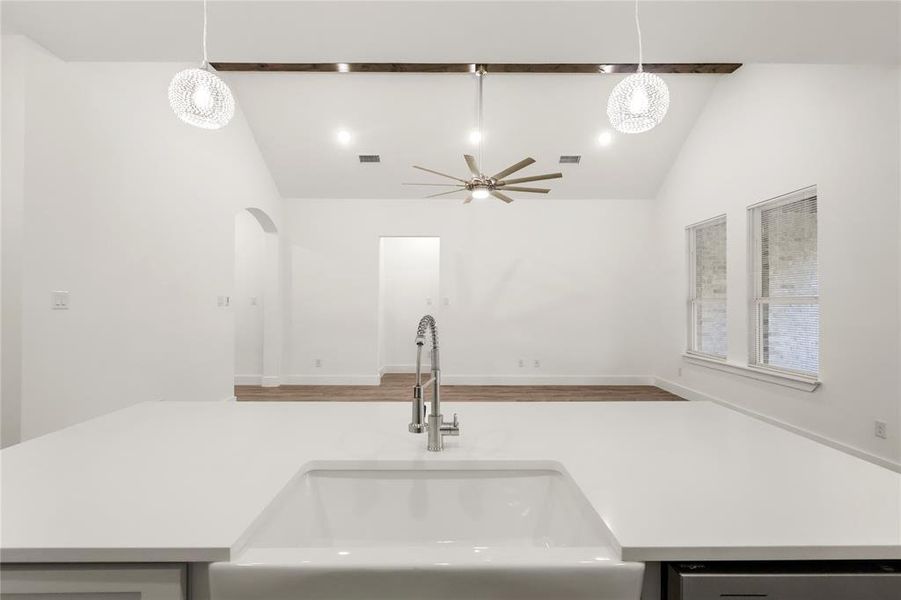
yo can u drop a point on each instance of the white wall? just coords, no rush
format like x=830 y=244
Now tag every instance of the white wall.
x=132 y=212
x=12 y=140
x=768 y=130
x=409 y=288
x=247 y=302
x=564 y=282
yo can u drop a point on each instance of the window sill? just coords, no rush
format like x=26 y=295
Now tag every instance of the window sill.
x=797 y=382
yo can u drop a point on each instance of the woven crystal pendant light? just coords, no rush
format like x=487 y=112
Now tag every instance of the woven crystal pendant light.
x=639 y=102
x=199 y=97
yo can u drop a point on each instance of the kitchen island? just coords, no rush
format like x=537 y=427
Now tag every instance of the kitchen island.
x=170 y=482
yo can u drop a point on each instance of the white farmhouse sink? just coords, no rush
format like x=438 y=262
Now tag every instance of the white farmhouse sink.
x=428 y=531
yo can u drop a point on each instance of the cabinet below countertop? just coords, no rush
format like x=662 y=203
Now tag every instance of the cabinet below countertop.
x=89 y=581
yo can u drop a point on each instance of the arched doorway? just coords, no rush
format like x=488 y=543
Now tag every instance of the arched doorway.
x=257 y=305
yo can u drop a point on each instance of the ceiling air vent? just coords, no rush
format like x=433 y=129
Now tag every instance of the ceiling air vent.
x=370 y=158
x=570 y=159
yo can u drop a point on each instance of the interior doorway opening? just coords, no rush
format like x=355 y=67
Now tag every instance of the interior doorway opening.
x=256 y=300
x=409 y=287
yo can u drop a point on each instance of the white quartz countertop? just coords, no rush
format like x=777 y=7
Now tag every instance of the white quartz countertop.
x=171 y=481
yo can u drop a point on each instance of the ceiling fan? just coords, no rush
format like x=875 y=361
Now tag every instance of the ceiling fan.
x=479 y=185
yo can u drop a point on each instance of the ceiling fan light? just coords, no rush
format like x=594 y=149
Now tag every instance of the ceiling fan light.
x=480 y=193
x=200 y=98
x=638 y=103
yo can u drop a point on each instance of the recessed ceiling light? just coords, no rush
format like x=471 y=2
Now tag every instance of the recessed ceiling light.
x=343 y=137
x=475 y=136
x=605 y=138
x=343 y=68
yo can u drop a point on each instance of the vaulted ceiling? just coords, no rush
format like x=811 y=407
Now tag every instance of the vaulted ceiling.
x=462 y=30
x=425 y=118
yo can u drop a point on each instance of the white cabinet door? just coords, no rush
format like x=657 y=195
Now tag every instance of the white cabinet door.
x=92 y=582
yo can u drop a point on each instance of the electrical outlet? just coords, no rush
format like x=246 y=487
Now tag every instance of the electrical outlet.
x=59 y=300
x=536 y=364
x=317 y=363
x=522 y=363
x=881 y=429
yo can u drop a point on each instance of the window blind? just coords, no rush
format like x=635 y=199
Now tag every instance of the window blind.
x=786 y=310
x=707 y=288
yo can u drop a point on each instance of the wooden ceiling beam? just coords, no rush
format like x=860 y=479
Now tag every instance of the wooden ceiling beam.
x=399 y=67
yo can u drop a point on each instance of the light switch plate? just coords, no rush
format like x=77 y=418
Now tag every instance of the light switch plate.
x=59 y=300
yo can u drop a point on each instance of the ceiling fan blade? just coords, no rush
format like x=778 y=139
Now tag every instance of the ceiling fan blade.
x=533 y=178
x=458 y=185
x=514 y=188
x=438 y=173
x=445 y=193
x=501 y=196
x=473 y=166
x=514 y=168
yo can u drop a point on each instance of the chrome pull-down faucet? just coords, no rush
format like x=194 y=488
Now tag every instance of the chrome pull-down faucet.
x=434 y=424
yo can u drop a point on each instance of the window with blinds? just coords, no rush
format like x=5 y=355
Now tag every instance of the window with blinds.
x=707 y=288
x=785 y=308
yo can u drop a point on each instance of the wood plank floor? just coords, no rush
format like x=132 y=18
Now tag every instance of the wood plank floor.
x=398 y=387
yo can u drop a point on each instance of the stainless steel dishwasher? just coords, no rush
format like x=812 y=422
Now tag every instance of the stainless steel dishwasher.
x=789 y=580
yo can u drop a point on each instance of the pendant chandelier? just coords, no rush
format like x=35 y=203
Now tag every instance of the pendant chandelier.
x=639 y=102
x=198 y=96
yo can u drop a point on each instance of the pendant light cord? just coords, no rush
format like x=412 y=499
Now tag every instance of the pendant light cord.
x=205 y=62
x=638 y=29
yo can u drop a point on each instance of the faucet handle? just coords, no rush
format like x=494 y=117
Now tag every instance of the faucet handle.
x=452 y=428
